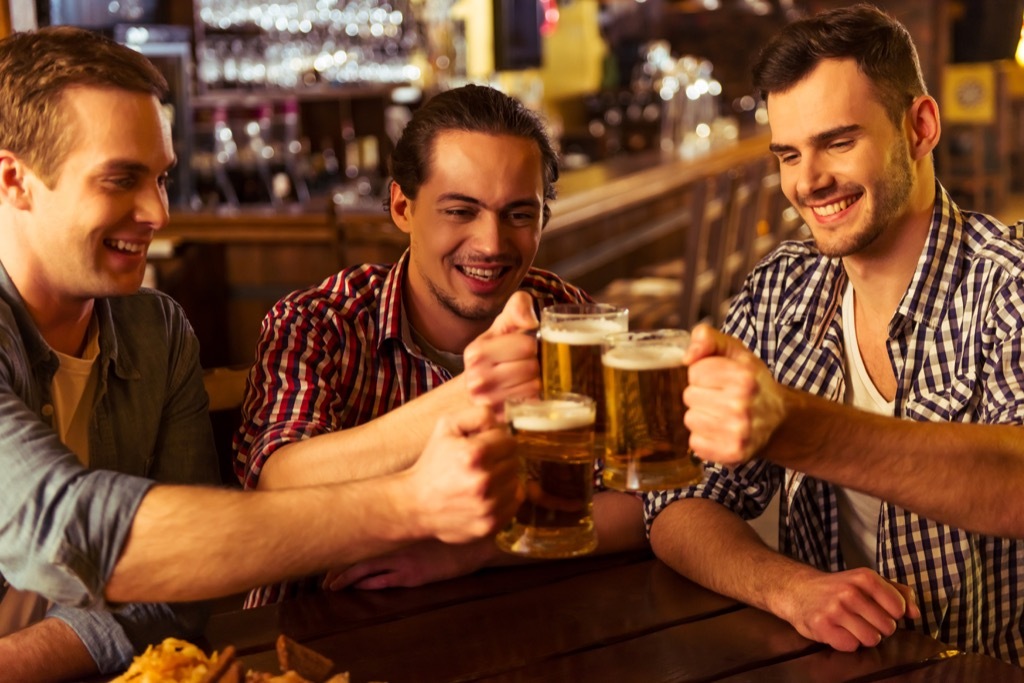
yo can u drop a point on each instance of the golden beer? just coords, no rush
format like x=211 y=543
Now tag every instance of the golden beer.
x=647 y=444
x=570 y=340
x=555 y=445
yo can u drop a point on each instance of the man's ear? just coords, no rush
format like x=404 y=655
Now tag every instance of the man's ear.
x=401 y=208
x=13 y=172
x=923 y=126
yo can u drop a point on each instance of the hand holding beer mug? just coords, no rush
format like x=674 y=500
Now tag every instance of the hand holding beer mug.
x=647 y=444
x=555 y=444
x=571 y=336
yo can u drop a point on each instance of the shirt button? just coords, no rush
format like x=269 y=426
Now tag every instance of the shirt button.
x=48 y=410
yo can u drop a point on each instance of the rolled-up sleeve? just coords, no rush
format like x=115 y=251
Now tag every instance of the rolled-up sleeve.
x=746 y=490
x=113 y=638
x=62 y=527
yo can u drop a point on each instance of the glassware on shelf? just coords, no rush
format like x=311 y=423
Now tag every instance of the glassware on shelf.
x=690 y=98
x=253 y=155
x=248 y=43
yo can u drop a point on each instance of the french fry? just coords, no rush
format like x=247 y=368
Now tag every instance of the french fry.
x=180 y=661
x=225 y=662
x=311 y=665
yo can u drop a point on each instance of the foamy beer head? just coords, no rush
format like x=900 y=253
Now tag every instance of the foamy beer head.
x=646 y=442
x=643 y=358
x=552 y=415
x=581 y=324
x=571 y=336
x=557 y=426
x=581 y=332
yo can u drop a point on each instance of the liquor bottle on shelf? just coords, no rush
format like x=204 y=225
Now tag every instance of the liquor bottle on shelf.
x=225 y=155
x=261 y=153
x=294 y=153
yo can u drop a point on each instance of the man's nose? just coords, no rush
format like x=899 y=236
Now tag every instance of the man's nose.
x=151 y=206
x=812 y=175
x=487 y=232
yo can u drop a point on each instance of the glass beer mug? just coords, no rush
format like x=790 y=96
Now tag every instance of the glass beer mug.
x=646 y=442
x=570 y=343
x=555 y=446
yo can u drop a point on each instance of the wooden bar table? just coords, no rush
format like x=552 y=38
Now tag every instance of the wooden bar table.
x=618 y=618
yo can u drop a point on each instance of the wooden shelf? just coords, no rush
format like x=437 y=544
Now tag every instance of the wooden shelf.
x=319 y=93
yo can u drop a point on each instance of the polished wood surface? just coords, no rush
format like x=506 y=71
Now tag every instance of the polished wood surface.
x=618 y=618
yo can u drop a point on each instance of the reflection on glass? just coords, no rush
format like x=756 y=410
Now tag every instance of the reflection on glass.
x=294 y=44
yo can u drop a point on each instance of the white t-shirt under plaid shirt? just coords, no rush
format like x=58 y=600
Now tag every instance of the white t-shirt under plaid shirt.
x=956 y=343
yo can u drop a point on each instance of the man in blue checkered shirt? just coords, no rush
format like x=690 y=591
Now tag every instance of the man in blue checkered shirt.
x=903 y=305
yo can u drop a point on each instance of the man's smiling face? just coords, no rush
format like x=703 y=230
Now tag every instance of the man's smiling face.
x=91 y=230
x=844 y=164
x=475 y=227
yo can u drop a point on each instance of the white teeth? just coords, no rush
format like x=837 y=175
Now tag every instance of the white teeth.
x=830 y=209
x=482 y=273
x=130 y=247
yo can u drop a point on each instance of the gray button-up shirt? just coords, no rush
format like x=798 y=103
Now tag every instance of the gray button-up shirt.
x=62 y=526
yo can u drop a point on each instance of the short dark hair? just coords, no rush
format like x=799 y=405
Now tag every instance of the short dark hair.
x=470 y=108
x=881 y=46
x=37 y=67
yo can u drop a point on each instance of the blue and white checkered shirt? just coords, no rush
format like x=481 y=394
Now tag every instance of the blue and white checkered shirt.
x=956 y=346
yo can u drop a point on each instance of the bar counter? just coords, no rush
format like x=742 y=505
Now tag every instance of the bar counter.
x=584 y=195
x=617 y=618
x=610 y=219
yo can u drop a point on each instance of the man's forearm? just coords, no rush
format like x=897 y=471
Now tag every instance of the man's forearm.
x=917 y=465
x=189 y=543
x=387 y=444
x=45 y=651
x=714 y=547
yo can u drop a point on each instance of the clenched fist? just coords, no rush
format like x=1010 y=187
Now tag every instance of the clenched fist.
x=465 y=485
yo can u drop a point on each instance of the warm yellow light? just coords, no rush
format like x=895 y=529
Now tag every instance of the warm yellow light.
x=1020 y=46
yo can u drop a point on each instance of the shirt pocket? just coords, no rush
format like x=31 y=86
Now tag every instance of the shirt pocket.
x=943 y=398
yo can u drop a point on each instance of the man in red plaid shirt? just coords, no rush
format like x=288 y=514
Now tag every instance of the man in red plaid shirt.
x=367 y=360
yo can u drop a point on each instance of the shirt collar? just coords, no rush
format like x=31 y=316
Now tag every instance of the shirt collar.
x=37 y=348
x=40 y=352
x=389 y=317
x=818 y=291
x=938 y=267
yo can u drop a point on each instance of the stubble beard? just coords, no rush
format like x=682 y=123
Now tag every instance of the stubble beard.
x=475 y=313
x=891 y=194
x=479 y=311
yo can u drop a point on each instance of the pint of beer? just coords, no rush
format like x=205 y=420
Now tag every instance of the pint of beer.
x=570 y=338
x=555 y=444
x=647 y=444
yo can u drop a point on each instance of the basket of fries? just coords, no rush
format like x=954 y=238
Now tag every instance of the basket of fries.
x=178 y=661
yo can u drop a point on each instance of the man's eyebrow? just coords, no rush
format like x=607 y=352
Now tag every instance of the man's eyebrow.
x=456 y=197
x=130 y=166
x=519 y=203
x=834 y=133
x=776 y=148
x=818 y=138
x=515 y=204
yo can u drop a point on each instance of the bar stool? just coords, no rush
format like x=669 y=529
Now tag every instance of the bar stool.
x=680 y=292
